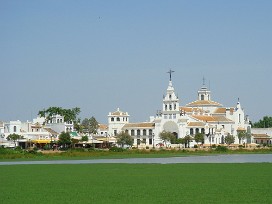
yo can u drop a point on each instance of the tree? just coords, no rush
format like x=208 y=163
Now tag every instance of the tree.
x=90 y=125
x=241 y=135
x=266 y=122
x=199 y=138
x=229 y=139
x=68 y=114
x=93 y=125
x=78 y=126
x=180 y=141
x=84 y=139
x=168 y=136
x=64 y=139
x=14 y=137
x=124 y=138
x=187 y=140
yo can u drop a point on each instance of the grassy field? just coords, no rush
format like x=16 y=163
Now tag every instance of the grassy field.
x=18 y=155
x=136 y=183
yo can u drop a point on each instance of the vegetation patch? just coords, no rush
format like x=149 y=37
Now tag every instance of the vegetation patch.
x=136 y=183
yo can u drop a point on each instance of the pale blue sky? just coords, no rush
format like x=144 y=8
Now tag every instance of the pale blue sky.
x=101 y=55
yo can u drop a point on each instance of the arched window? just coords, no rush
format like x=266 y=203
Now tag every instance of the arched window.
x=165 y=107
x=197 y=130
x=202 y=130
x=202 y=97
x=191 y=131
x=126 y=131
x=132 y=132
x=170 y=96
x=14 y=129
x=138 y=132
x=150 y=132
x=57 y=120
x=112 y=119
x=144 y=132
x=60 y=120
x=118 y=119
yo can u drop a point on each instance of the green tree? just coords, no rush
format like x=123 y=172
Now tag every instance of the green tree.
x=266 y=122
x=14 y=137
x=241 y=135
x=78 y=126
x=85 y=138
x=64 y=139
x=168 y=136
x=199 y=138
x=68 y=114
x=187 y=140
x=90 y=125
x=93 y=125
x=229 y=139
x=180 y=141
x=124 y=138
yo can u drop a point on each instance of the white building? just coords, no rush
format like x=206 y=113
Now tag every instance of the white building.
x=203 y=115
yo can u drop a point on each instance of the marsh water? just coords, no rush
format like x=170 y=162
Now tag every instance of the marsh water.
x=232 y=158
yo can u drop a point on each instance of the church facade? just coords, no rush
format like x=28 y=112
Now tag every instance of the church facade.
x=200 y=116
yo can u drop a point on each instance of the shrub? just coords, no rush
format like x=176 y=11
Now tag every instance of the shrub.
x=147 y=147
x=116 y=149
x=221 y=148
x=213 y=145
x=195 y=146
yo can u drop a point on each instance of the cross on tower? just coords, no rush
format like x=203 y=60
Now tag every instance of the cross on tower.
x=203 y=81
x=170 y=72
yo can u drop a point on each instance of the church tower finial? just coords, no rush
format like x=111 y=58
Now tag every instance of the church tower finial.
x=170 y=73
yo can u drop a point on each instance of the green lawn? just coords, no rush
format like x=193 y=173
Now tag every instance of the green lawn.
x=136 y=183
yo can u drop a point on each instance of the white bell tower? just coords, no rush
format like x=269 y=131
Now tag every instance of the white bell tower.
x=170 y=100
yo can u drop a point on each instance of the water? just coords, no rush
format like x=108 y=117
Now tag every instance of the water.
x=234 y=158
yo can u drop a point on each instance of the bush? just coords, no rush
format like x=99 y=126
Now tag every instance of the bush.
x=195 y=146
x=116 y=149
x=221 y=148
x=147 y=147
x=241 y=146
x=213 y=145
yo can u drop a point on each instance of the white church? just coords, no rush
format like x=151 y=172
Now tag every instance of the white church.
x=202 y=115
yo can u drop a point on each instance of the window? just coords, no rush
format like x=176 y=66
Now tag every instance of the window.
x=165 y=107
x=170 y=107
x=197 y=130
x=132 y=133
x=165 y=116
x=174 y=116
x=126 y=131
x=144 y=132
x=138 y=141
x=202 y=130
x=191 y=131
x=202 y=97
x=118 y=119
x=170 y=116
x=144 y=141
x=14 y=129
x=150 y=141
x=57 y=120
x=112 y=119
x=115 y=132
x=175 y=106
x=150 y=132
x=138 y=132
x=170 y=96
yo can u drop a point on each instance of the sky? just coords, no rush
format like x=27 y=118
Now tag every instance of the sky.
x=103 y=55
